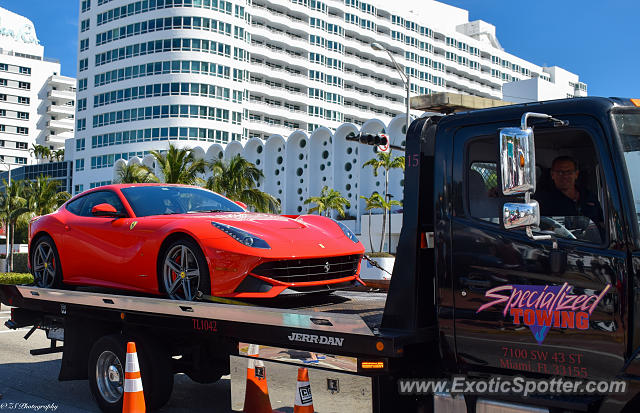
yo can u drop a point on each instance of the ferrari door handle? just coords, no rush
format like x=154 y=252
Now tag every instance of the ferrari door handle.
x=67 y=228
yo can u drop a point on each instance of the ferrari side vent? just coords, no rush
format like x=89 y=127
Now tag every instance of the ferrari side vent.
x=308 y=270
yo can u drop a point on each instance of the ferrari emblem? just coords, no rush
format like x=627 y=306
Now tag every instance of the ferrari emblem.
x=321 y=246
x=182 y=274
x=327 y=267
x=133 y=224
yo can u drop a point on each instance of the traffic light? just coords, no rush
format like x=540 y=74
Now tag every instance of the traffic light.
x=369 y=139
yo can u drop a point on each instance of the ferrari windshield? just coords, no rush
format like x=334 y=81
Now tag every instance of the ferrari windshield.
x=169 y=200
x=628 y=125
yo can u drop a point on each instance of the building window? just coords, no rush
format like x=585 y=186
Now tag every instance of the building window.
x=24 y=85
x=84 y=44
x=79 y=165
x=22 y=130
x=82 y=84
x=79 y=144
x=3 y=82
x=22 y=99
x=21 y=160
x=25 y=70
x=78 y=188
x=84 y=64
x=81 y=124
x=85 y=5
x=21 y=145
x=84 y=25
x=82 y=104
x=23 y=115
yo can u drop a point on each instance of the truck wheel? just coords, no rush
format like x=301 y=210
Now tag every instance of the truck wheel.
x=184 y=270
x=106 y=373
x=45 y=264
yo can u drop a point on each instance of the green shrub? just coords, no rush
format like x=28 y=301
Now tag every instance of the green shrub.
x=15 y=278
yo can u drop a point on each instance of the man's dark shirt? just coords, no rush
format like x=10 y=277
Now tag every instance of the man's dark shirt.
x=553 y=203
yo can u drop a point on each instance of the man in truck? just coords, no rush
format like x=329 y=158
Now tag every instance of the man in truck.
x=567 y=199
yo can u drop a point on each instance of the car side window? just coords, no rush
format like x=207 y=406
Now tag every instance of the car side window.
x=75 y=206
x=100 y=197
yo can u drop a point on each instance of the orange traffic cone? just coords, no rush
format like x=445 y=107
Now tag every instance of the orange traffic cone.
x=133 y=395
x=256 y=397
x=303 y=402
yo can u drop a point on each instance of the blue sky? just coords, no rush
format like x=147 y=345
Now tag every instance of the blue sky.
x=596 y=39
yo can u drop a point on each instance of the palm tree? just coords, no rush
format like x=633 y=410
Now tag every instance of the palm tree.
x=375 y=201
x=133 y=173
x=179 y=166
x=43 y=196
x=40 y=151
x=58 y=155
x=329 y=200
x=238 y=180
x=386 y=161
x=12 y=205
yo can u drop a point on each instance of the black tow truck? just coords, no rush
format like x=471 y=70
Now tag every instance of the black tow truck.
x=487 y=281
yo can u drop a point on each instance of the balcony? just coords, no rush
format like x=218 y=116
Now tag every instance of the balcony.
x=64 y=110
x=62 y=82
x=61 y=124
x=64 y=95
x=55 y=140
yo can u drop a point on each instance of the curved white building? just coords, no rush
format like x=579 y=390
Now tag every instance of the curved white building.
x=298 y=167
x=204 y=73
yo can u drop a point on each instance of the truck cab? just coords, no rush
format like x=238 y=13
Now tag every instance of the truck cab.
x=523 y=279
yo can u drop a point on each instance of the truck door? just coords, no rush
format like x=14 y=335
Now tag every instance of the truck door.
x=518 y=303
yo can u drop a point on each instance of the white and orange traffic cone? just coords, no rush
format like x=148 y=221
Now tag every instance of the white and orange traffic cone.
x=133 y=396
x=256 y=396
x=304 y=401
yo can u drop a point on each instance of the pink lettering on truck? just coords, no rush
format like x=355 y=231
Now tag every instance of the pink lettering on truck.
x=541 y=307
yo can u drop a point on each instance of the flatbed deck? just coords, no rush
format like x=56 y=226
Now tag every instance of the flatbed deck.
x=345 y=322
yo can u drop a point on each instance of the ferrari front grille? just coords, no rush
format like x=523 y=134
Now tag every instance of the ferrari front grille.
x=307 y=270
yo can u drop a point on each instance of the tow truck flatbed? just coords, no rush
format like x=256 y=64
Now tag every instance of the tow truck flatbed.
x=345 y=323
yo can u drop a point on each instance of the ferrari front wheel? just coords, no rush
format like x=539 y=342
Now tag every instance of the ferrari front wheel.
x=185 y=270
x=45 y=264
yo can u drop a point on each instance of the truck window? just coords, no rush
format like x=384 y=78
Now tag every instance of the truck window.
x=628 y=125
x=569 y=184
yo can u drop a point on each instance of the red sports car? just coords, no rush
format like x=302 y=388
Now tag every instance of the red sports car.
x=177 y=240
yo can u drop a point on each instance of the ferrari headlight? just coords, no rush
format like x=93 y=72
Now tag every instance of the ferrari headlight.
x=348 y=232
x=241 y=236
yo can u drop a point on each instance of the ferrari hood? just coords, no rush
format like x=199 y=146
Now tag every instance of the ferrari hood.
x=285 y=234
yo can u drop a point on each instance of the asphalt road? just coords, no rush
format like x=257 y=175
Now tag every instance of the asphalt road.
x=30 y=383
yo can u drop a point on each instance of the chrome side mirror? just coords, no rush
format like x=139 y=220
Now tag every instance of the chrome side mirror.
x=521 y=215
x=518 y=174
x=517 y=161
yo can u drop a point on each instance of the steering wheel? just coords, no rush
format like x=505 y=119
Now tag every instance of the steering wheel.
x=551 y=225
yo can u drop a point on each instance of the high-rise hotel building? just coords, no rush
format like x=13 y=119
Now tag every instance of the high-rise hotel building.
x=36 y=102
x=208 y=72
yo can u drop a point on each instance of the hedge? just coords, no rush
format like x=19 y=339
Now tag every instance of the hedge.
x=14 y=278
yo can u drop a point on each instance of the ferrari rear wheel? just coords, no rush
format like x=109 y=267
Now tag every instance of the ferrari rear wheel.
x=185 y=271
x=45 y=264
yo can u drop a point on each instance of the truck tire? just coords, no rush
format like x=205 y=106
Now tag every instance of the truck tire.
x=106 y=365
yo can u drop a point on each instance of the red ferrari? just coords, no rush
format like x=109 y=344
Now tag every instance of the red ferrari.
x=179 y=241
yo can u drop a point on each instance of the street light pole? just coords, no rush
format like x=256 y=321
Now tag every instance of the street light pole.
x=406 y=79
x=403 y=76
x=6 y=229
